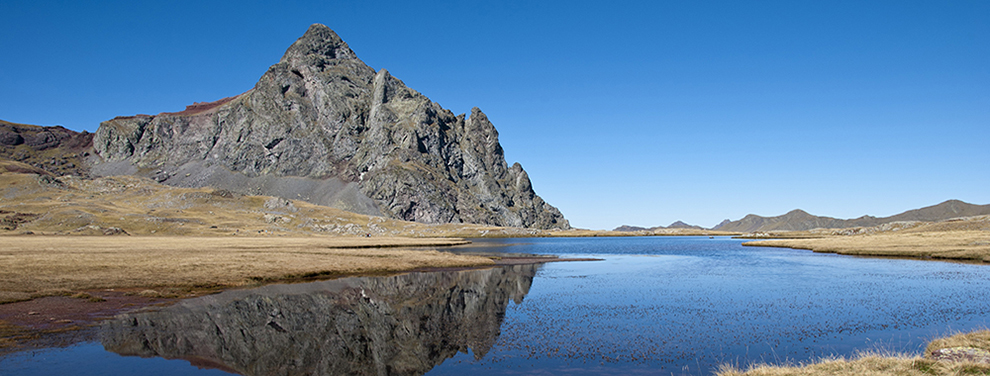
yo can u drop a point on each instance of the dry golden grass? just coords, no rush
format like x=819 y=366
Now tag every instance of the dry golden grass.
x=956 y=239
x=878 y=364
x=862 y=365
x=142 y=207
x=867 y=364
x=139 y=206
x=59 y=265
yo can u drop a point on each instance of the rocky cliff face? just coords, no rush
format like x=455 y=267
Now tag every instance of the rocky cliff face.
x=322 y=126
x=402 y=325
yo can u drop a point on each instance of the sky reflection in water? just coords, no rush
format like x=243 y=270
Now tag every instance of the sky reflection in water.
x=687 y=305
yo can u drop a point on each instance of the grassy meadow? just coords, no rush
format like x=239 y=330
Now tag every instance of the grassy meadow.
x=51 y=265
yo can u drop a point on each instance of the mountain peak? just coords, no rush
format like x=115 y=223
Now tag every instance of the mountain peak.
x=681 y=224
x=321 y=41
x=322 y=126
x=723 y=223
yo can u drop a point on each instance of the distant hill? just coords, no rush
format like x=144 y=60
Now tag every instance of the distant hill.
x=628 y=228
x=799 y=220
x=680 y=224
x=677 y=224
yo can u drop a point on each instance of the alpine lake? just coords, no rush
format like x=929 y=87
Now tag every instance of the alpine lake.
x=652 y=306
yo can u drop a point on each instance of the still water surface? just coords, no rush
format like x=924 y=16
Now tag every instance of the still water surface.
x=659 y=305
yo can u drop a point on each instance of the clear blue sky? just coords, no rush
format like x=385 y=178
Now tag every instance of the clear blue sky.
x=622 y=112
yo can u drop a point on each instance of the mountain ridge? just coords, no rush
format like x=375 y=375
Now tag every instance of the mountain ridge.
x=799 y=220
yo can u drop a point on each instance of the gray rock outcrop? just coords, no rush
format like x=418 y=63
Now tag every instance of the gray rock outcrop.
x=401 y=325
x=322 y=126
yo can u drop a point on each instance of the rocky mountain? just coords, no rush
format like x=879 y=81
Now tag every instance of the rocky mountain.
x=400 y=325
x=799 y=220
x=679 y=224
x=322 y=126
x=723 y=223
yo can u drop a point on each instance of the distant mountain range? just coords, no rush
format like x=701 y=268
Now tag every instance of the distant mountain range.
x=799 y=220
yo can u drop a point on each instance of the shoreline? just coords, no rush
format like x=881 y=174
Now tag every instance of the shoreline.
x=955 y=246
x=43 y=317
x=866 y=254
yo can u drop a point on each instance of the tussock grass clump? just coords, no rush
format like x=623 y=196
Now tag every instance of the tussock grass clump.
x=87 y=296
x=877 y=363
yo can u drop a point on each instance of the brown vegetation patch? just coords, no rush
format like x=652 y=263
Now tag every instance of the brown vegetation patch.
x=202 y=107
x=9 y=220
x=7 y=165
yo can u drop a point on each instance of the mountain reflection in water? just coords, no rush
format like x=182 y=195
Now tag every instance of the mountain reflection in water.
x=400 y=325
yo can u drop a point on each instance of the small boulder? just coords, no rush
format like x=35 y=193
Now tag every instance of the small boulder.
x=278 y=203
x=962 y=354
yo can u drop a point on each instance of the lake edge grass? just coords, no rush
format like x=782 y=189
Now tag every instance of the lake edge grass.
x=38 y=266
x=973 y=246
x=877 y=362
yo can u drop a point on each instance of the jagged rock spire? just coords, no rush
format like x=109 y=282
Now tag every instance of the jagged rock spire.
x=320 y=41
